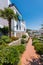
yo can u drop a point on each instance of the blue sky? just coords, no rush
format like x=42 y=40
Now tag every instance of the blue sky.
x=32 y=12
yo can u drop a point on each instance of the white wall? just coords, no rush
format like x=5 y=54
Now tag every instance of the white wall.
x=23 y=26
x=3 y=4
x=3 y=22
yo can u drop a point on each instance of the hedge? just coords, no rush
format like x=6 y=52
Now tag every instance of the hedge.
x=10 y=55
x=5 y=39
x=38 y=46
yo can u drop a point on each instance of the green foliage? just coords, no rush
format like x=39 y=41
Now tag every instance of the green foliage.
x=41 y=36
x=23 y=36
x=35 y=41
x=1 y=42
x=10 y=55
x=4 y=30
x=0 y=29
x=20 y=48
x=14 y=38
x=8 y=13
x=27 y=30
x=38 y=46
x=22 y=41
x=34 y=38
x=5 y=39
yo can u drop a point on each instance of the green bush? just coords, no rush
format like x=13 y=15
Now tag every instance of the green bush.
x=39 y=48
x=8 y=40
x=35 y=42
x=34 y=38
x=23 y=36
x=1 y=42
x=9 y=55
x=20 y=48
x=14 y=38
x=22 y=41
x=5 y=39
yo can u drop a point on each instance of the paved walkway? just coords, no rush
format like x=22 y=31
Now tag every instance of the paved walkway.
x=29 y=56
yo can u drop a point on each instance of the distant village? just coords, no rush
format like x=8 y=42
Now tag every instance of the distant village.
x=36 y=33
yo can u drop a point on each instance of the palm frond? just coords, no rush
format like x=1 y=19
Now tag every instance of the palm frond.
x=8 y=13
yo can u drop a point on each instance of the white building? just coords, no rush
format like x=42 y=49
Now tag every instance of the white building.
x=18 y=27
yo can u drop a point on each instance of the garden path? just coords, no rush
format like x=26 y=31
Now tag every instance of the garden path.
x=30 y=57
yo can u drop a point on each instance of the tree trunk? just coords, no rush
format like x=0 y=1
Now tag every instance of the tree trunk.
x=9 y=27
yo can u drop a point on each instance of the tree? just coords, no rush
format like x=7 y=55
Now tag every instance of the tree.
x=5 y=30
x=8 y=14
x=41 y=37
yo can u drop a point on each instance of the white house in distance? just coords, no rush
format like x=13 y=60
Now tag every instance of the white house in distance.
x=18 y=27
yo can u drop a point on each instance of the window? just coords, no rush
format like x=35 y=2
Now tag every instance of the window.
x=17 y=26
